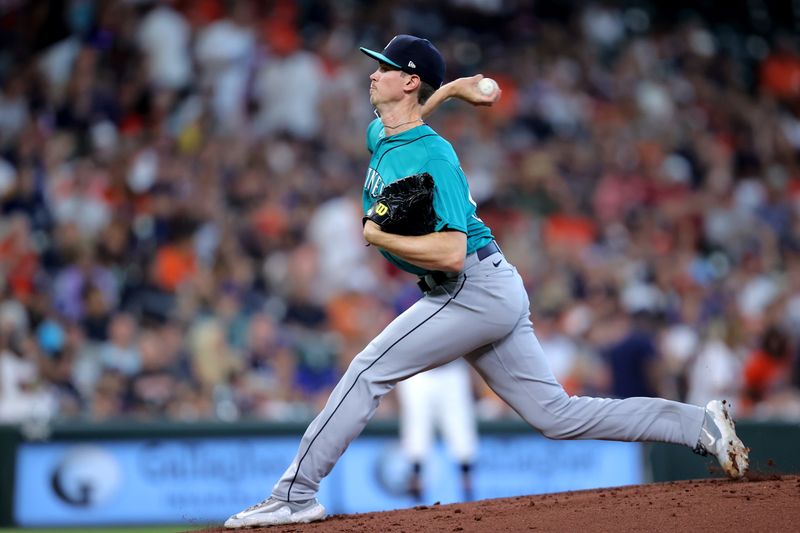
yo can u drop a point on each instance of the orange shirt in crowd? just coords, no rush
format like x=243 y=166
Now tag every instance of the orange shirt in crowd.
x=174 y=264
x=780 y=75
x=20 y=263
x=568 y=231
x=762 y=375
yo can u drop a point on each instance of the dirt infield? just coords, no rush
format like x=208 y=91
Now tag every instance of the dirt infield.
x=761 y=503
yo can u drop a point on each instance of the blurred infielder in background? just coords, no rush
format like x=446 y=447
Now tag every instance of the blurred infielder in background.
x=439 y=399
x=474 y=305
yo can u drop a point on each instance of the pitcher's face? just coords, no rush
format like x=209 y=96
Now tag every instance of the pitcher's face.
x=386 y=84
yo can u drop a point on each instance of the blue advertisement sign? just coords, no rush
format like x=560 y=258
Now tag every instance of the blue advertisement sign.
x=373 y=478
x=159 y=481
x=203 y=481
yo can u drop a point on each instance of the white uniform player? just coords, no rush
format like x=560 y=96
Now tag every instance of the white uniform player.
x=439 y=399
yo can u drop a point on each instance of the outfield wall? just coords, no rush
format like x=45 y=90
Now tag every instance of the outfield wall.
x=147 y=473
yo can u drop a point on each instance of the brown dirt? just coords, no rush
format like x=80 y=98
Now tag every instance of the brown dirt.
x=760 y=503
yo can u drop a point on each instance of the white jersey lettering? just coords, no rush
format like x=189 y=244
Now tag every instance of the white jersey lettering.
x=374 y=183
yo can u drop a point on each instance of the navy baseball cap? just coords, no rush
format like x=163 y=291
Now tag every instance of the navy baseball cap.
x=413 y=55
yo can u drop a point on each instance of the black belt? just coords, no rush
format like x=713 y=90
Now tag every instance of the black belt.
x=433 y=279
x=486 y=251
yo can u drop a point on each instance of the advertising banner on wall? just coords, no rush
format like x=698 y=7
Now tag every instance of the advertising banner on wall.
x=201 y=481
x=158 y=481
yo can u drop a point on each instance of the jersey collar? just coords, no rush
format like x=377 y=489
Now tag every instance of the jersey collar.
x=408 y=135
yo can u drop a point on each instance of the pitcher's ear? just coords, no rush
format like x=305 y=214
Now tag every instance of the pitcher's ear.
x=413 y=81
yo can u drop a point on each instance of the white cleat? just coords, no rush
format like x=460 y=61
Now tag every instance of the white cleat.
x=271 y=512
x=718 y=437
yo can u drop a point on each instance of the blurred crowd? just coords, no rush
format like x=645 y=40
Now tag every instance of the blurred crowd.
x=180 y=231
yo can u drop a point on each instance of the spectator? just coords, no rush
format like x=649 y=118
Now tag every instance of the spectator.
x=562 y=353
x=768 y=370
x=224 y=50
x=163 y=36
x=24 y=395
x=153 y=388
x=212 y=360
x=80 y=278
x=294 y=111
x=120 y=353
x=267 y=380
x=634 y=360
x=155 y=169
x=716 y=370
x=60 y=352
x=18 y=258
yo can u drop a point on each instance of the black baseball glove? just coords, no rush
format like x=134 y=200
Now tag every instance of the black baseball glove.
x=405 y=207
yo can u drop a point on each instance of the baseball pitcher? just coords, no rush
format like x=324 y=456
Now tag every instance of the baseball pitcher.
x=473 y=303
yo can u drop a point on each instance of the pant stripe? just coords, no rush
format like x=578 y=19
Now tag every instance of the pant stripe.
x=453 y=297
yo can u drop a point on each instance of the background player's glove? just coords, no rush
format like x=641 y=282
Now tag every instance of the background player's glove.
x=405 y=207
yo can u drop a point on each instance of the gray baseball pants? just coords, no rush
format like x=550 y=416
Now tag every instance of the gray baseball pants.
x=483 y=316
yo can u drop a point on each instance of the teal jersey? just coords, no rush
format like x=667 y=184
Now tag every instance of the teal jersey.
x=418 y=150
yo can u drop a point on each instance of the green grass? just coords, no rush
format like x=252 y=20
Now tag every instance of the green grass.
x=131 y=529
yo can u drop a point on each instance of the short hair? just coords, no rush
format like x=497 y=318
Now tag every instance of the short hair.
x=425 y=92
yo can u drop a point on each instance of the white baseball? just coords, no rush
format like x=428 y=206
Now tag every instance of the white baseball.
x=487 y=86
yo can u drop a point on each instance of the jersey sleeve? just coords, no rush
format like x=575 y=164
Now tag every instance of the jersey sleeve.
x=451 y=195
x=374 y=134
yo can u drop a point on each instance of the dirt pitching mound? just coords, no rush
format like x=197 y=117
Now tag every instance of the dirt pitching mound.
x=759 y=503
